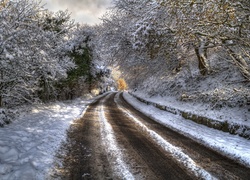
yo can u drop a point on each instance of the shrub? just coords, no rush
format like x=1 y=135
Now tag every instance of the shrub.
x=122 y=85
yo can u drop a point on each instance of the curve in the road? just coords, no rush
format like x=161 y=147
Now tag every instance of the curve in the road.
x=161 y=164
x=87 y=157
x=218 y=165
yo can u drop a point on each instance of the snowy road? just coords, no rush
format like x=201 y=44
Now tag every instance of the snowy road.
x=114 y=141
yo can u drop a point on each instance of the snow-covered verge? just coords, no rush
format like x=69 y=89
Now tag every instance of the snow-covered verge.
x=233 y=146
x=29 y=143
x=232 y=120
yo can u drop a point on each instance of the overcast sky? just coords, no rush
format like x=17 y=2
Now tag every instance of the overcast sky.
x=83 y=11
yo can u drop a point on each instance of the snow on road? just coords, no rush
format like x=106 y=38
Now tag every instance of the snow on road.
x=168 y=147
x=28 y=145
x=232 y=146
x=112 y=148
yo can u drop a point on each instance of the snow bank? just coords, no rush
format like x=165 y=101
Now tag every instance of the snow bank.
x=28 y=145
x=233 y=146
x=211 y=118
x=234 y=115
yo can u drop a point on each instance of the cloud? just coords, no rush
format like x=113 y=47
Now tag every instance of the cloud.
x=85 y=4
x=97 y=3
x=85 y=11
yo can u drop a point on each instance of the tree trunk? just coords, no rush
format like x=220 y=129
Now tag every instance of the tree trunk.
x=90 y=86
x=201 y=53
x=1 y=101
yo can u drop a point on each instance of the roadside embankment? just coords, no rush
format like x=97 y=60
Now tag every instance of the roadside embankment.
x=223 y=125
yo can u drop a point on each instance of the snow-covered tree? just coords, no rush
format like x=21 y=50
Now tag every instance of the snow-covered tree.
x=29 y=53
x=56 y=28
x=212 y=23
x=81 y=46
x=171 y=29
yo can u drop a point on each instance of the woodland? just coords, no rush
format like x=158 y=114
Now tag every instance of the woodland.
x=195 y=50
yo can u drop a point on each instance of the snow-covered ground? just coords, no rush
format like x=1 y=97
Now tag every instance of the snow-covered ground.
x=232 y=146
x=28 y=145
x=235 y=115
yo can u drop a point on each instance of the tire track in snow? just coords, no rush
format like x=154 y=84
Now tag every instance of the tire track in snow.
x=109 y=141
x=176 y=152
